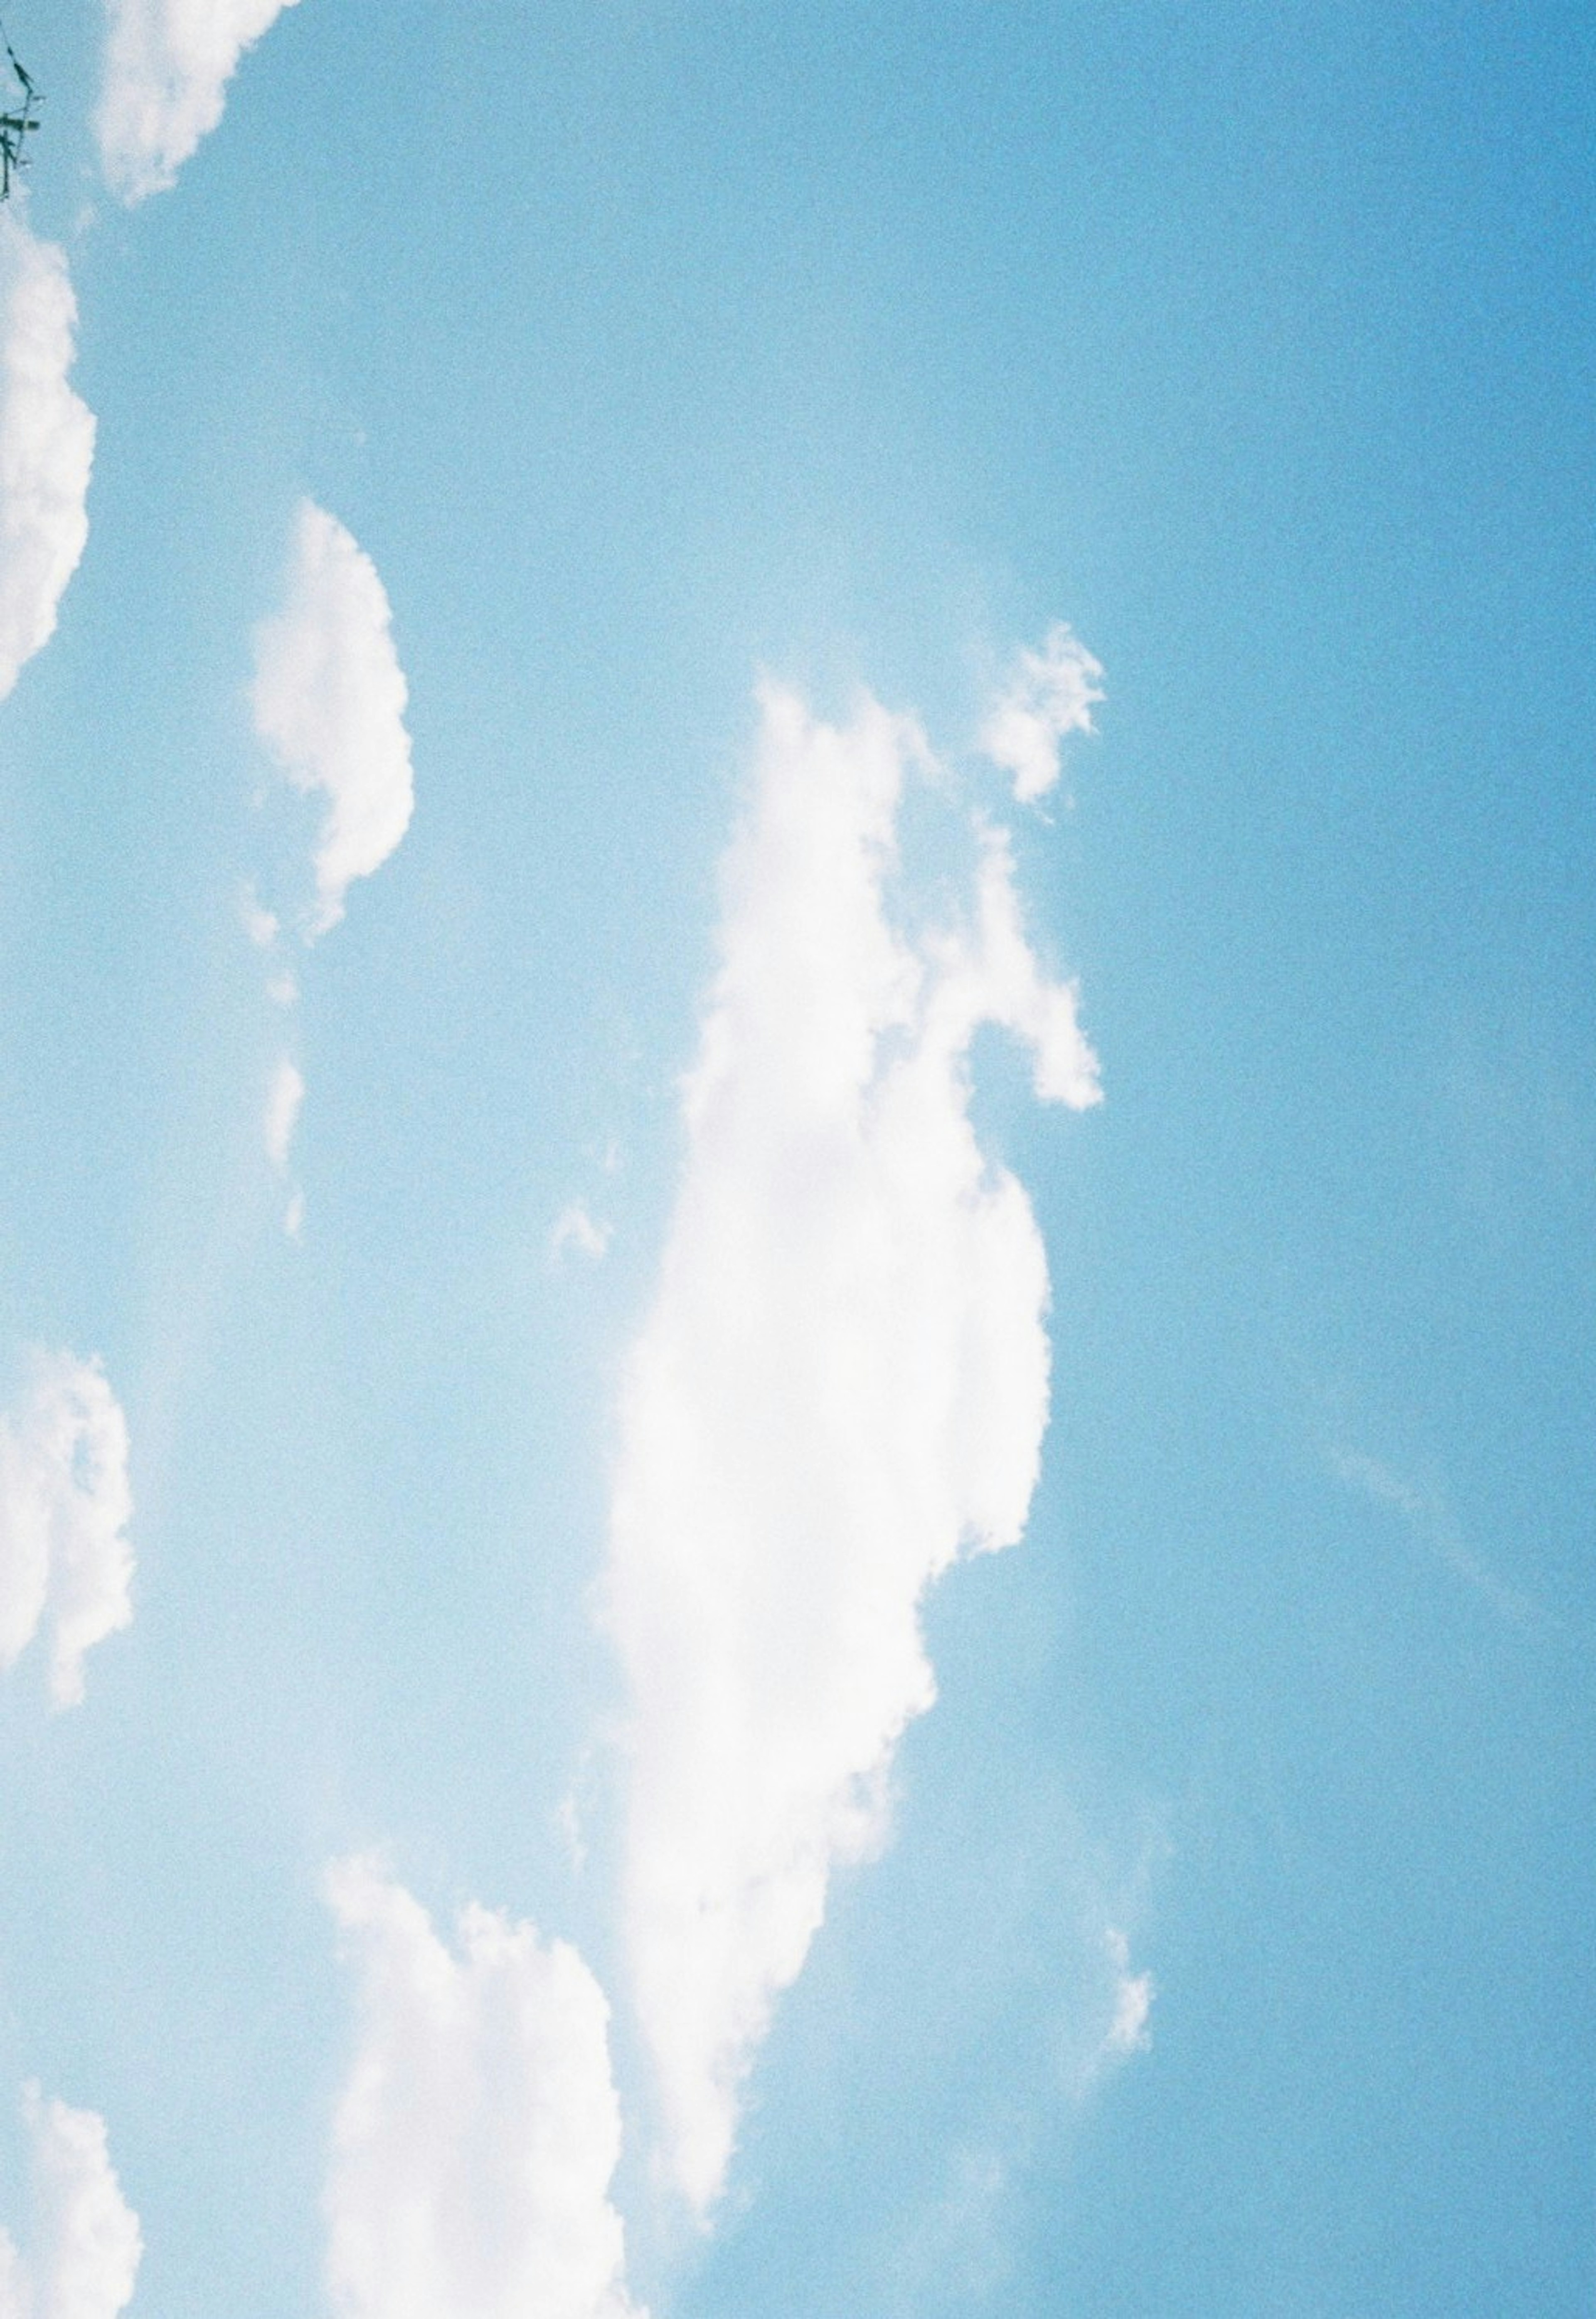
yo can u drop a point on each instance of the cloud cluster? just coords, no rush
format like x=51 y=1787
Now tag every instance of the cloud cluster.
x=46 y=443
x=476 y=2136
x=843 y=1384
x=329 y=699
x=1049 y=693
x=64 y=1510
x=83 y=2247
x=168 y=64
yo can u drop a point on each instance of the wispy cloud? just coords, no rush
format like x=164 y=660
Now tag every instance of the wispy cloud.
x=329 y=699
x=84 y=2246
x=478 y=2131
x=1049 y=693
x=957 y=2252
x=843 y=1383
x=1430 y=1520
x=46 y=443
x=1129 y=2031
x=65 y=1506
x=285 y=1097
x=168 y=64
x=577 y=1228
x=262 y=925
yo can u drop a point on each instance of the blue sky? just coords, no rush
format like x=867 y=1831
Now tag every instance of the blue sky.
x=690 y=1189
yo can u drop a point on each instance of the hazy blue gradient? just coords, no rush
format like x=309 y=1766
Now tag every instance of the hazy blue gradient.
x=644 y=346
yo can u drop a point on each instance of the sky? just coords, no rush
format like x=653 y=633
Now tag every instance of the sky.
x=797 y=1205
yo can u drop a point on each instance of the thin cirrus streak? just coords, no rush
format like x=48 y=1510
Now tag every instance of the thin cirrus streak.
x=478 y=2129
x=843 y=1383
x=47 y=445
x=65 y=1505
x=167 y=66
x=84 y=2245
x=1430 y=1520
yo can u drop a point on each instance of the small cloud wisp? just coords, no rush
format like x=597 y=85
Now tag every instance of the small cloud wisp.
x=285 y=1101
x=1431 y=1521
x=1130 y=2030
x=65 y=1505
x=284 y=1098
x=577 y=1228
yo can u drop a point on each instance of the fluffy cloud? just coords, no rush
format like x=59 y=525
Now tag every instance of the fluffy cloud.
x=475 y=2139
x=47 y=445
x=1051 y=692
x=84 y=2248
x=167 y=63
x=64 y=1511
x=329 y=699
x=842 y=1385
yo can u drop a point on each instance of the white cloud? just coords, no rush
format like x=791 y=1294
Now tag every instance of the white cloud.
x=285 y=1097
x=575 y=1227
x=329 y=699
x=1128 y=2031
x=475 y=2139
x=842 y=1385
x=46 y=443
x=64 y=1510
x=1052 y=693
x=168 y=64
x=84 y=2246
